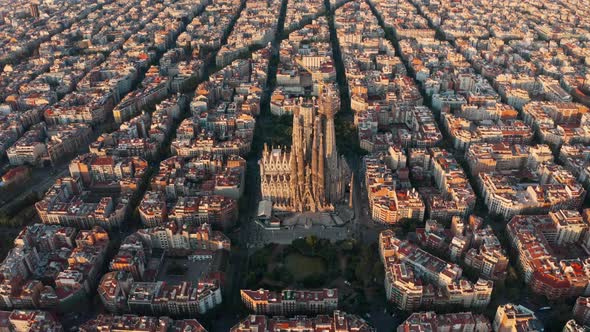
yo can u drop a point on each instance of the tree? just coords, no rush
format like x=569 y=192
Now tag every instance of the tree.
x=176 y=268
x=409 y=225
x=312 y=241
x=330 y=255
x=361 y=272
x=261 y=258
x=345 y=245
x=302 y=246
x=379 y=272
x=315 y=280
x=252 y=280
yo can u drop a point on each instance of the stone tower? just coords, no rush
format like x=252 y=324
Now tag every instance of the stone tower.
x=311 y=177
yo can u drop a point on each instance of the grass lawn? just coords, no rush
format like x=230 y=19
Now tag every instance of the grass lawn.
x=302 y=266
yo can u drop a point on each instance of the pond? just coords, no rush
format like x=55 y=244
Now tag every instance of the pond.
x=302 y=266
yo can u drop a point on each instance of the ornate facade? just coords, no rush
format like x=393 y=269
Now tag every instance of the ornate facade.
x=311 y=176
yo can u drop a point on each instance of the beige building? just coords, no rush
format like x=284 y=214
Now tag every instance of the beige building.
x=310 y=177
x=290 y=302
x=512 y=318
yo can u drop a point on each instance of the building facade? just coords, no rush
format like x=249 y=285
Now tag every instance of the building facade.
x=311 y=176
x=289 y=302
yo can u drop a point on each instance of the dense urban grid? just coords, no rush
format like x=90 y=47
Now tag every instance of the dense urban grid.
x=294 y=165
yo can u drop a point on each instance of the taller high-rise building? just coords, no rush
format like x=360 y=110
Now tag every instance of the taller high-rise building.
x=34 y=9
x=311 y=176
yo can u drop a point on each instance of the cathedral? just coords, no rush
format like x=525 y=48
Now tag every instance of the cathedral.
x=309 y=177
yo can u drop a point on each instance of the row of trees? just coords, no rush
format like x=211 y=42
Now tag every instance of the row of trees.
x=360 y=265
